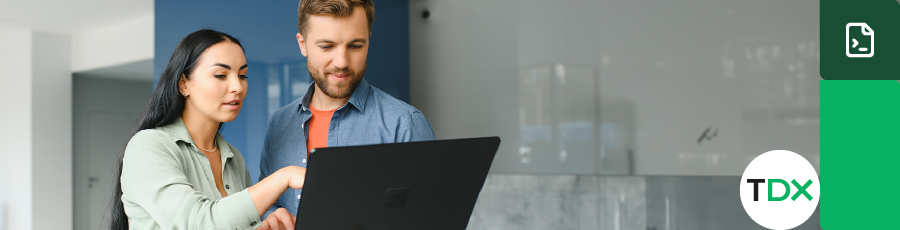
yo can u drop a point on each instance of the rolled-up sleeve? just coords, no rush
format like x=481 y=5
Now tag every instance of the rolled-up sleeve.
x=154 y=179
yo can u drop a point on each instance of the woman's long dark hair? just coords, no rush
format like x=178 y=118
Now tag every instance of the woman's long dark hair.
x=167 y=103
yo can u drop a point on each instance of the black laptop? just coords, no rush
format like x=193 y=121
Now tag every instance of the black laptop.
x=415 y=185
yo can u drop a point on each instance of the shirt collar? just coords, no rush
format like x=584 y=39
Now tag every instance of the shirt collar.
x=357 y=99
x=179 y=132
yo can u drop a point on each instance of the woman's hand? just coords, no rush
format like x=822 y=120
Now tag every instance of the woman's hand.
x=266 y=191
x=280 y=219
x=295 y=176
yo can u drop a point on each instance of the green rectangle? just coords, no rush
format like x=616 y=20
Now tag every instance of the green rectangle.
x=860 y=152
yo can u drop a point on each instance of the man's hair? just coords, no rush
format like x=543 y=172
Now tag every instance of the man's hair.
x=334 y=8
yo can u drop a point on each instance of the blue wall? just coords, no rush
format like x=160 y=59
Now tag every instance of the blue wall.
x=277 y=73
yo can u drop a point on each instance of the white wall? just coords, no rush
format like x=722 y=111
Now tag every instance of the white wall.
x=36 y=159
x=51 y=131
x=15 y=129
x=36 y=125
x=116 y=44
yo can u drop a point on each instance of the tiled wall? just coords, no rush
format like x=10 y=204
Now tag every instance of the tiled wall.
x=525 y=201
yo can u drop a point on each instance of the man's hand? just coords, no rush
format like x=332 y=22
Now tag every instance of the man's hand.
x=280 y=219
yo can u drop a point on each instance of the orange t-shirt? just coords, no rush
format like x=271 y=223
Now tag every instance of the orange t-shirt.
x=318 y=129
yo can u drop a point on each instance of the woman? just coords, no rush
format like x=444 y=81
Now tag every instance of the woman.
x=177 y=172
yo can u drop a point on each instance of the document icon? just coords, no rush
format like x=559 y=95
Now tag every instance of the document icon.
x=860 y=40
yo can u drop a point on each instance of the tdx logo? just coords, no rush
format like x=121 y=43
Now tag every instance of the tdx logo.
x=801 y=189
x=780 y=189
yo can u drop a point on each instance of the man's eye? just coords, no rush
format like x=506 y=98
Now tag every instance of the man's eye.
x=325 y=47
x=356 y=47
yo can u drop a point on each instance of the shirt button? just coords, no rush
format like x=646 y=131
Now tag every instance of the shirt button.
x=304 y=161
x=226 y=187
x=298 y=197
x=253 y=224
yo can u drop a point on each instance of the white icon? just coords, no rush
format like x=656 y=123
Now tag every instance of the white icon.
x=855 y=50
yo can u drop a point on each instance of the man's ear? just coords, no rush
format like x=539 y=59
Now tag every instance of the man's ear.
x=302 y=43
x=182 y=86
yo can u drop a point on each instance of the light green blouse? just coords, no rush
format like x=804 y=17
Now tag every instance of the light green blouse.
x=167 y=183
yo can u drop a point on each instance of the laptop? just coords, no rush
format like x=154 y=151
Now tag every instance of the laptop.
x=414 y=185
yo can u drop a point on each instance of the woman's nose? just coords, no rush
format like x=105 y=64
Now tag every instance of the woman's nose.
x=235 y=85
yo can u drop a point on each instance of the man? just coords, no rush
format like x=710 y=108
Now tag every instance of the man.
x=340 y=108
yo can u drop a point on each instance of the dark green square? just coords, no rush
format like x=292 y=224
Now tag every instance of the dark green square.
x=882 y=16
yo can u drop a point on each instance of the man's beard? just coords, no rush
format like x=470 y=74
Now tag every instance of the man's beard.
x=344 y=89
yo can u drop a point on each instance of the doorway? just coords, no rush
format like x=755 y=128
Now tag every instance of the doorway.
x=106 y=105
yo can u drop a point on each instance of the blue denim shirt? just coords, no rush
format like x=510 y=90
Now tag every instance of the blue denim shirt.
x=371 y=116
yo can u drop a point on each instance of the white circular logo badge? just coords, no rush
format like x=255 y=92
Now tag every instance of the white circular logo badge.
x=780 y=189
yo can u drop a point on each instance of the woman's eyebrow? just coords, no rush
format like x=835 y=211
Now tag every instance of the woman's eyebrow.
x=228 y=67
